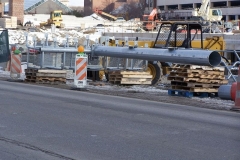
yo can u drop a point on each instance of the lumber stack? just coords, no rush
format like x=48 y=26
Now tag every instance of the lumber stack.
x=196 y=78
x=130 y=77
x=8 y=22
x=45 y=76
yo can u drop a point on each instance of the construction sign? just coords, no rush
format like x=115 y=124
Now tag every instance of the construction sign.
x=80 y=78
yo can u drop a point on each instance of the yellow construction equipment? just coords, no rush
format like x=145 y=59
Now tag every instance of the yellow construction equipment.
x=55 y=18
x=170 y=36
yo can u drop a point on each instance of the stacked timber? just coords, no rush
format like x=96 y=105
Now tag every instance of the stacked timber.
x=45 y=76
x=129 y=77
x=195 y=78
x=8 y=22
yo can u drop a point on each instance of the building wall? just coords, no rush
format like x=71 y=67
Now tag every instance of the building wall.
x=227 y=10
x=16 y=9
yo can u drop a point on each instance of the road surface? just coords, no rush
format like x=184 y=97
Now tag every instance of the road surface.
x=47 y=123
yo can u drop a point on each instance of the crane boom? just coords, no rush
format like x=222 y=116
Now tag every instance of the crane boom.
x=204 y=9
x=207 y=13
x=105 y=14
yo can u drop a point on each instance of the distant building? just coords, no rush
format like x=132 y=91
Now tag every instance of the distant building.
x=230 y=8
x=45 y=6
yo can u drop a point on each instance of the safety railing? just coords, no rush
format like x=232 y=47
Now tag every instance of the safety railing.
x=49 y=55
x=230 y=67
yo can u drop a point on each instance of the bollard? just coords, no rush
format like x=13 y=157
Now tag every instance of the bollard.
x=81 y=60
x=237 y=99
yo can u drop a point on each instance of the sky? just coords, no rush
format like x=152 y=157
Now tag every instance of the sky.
x=76 y=2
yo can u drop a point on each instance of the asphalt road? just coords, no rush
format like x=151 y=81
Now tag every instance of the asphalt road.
x=39 y=122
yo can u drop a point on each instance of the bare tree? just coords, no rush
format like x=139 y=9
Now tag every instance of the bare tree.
x=135 y=9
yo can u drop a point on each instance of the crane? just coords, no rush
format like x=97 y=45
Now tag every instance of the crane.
x=206 y=13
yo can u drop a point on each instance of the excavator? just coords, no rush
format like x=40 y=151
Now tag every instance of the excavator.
x=169 y=37
x=150 y=20
x=55 y=18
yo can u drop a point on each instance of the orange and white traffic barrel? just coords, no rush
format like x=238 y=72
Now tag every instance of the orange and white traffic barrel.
x=80 y=78
x=237 y=98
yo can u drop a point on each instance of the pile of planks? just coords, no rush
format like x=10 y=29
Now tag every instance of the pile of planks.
x=129 y=77
x=196 y=78
x=8 y=22
x=45 y=76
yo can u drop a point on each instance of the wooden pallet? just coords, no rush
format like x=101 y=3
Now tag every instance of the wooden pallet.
x=30 y=74
x=51 y=71
x=183 y=70
x=196 y=67
x=130 y=82
x=195 y=89
x=198 y=80
x=196 y=75
x=190 y=84
x=30 y=80
x=129 y=77
x=45 y=76
x=50 y=79
x=128 y=73
x=190 y=94
x=30 y=70
x=56 y=75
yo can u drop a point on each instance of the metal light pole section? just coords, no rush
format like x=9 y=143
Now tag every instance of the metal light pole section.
x=174 y=55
